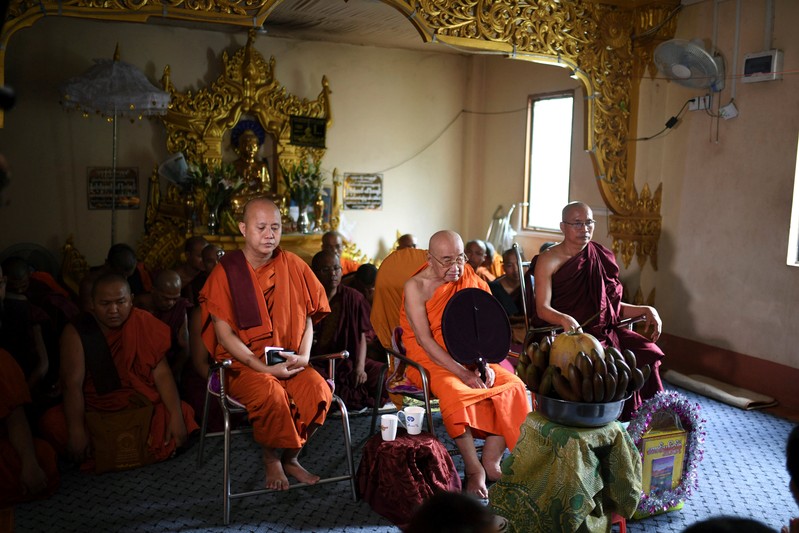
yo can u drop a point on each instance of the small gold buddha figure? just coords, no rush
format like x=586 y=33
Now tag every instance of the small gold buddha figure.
x=248 y=137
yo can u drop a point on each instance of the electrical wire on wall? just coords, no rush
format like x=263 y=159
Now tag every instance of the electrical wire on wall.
x=444 y=130
x=669 y=124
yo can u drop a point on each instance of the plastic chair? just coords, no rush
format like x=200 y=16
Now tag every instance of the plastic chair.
x=217 y=388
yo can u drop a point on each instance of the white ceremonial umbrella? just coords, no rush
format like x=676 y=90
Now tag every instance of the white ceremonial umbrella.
x=114 y=89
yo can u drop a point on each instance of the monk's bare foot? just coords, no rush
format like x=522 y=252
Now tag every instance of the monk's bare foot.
x=476 y=484
x=275 y=476
x=293 y=468
x=493 y=470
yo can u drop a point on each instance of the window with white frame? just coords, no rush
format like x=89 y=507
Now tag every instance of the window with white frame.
x=548 y=158
x=793 y=232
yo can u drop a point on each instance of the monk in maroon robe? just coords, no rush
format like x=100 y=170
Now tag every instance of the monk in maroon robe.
x=347 y=327
x=167 y=305
x=577 y=278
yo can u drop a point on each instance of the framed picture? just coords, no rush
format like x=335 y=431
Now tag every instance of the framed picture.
x=363 y=191
x=307 y=131
x=100 y=182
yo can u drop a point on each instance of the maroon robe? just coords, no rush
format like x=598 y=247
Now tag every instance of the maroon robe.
x=350 y=316
x=587 y=283
x=174 y=317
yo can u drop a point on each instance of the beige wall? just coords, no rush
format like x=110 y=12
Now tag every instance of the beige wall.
x=726 y=201
x=727 y=195
x=390 y=110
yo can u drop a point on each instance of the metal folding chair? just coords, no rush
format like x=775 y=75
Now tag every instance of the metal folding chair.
x=397 y=384
x=217 y=388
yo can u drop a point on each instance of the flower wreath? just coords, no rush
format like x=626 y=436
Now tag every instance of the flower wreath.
x=694 y=425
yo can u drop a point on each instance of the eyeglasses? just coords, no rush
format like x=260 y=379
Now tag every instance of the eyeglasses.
x=579 y=225
x=330 y=270
x=449 y=261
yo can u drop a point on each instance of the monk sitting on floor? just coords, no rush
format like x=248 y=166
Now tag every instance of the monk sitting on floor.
x=575 y=279
x=394 y=271
x=28 y=466
x=347 y=327
x=494 y=409
x=137 y=343
x=332 y=242
x=192 y=267
x=476 y=252
x=167 y=305
x=263 y=296
x=406 y=240
x=121 y=260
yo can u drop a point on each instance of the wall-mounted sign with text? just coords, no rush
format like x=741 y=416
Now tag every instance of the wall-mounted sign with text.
x=363 y=191
x=100 y=186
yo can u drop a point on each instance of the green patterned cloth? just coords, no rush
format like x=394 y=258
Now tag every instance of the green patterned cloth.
x=563 y=479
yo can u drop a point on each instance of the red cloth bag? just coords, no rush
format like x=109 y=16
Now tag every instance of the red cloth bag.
x=396 y=477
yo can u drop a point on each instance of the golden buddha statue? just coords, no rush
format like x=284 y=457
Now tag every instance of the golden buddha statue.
x=255 y=173
x=247 y=138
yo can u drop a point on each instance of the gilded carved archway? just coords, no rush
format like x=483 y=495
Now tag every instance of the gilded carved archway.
x=607 y=43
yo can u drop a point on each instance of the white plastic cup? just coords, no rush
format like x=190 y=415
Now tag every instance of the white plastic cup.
x=388 y=427
x=411 y=418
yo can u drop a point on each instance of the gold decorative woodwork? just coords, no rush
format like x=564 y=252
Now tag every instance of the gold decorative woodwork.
x=607 y=43
x=196 y=124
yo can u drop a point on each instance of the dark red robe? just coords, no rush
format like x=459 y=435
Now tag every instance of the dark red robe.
x=174 y=317
x=341 y=330
x=587 y=283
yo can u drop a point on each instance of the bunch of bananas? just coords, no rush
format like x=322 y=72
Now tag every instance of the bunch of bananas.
x=590 y=378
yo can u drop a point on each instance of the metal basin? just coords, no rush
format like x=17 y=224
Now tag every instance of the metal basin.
x=583 y=415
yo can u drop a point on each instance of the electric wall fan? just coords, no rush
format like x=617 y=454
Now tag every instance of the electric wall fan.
x=690 y=65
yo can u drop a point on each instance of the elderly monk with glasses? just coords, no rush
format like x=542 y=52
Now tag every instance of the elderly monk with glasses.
x=492 y=410
x=578 y=278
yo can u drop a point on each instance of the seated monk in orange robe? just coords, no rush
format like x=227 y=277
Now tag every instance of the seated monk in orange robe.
x=137 y=343
x=28 y=466
x=493 y=410
x=259 y=297
x=394 y=271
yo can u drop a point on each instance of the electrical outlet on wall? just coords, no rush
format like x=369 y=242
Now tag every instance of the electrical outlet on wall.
x=699 y=103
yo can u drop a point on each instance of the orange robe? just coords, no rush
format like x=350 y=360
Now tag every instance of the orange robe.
x=496 y=266
x=484 y=274
x=280 y=410
x=14 y=393
x=136 y=348
x=394 y=271
x=348 y=265
x=500 y=410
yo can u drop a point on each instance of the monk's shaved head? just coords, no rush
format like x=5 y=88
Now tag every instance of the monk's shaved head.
x=332 y=242
x=322 y=259
x=571 y=206
x=109 y=279
x=256 y=204
x=444 y=240
x=194 y=244
x=168 y=281
x=406 y=241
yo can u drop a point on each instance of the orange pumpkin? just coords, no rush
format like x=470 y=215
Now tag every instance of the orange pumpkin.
x=566 y=346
